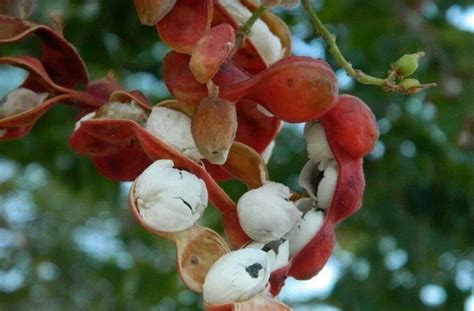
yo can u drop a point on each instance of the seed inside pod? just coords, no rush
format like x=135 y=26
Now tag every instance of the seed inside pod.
x=307 y=227
x=268 y=44
x=319 y=184
x=20 y=100
x=117 y=110
x=327 y=186
x=174 y=128
x=266 y=214
x=237 y=276
x=169 y=199
x=318 y=147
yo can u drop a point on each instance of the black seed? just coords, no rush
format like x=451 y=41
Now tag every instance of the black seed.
x=253 y=270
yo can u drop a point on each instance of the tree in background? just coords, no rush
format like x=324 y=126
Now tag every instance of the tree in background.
x=69 y=240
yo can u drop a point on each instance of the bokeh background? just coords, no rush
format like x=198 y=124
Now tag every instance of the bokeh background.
x=68 y=241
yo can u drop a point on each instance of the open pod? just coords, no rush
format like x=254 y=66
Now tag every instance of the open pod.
x=59 y=58
x=251 y=55
x=112 y=145
x=295 y=89
x=18 y=122
x=351 y=131
x=126 y=149
x=197 y=248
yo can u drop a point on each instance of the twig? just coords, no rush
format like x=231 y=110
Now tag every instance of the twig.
x=388 y=84
x=245 y=29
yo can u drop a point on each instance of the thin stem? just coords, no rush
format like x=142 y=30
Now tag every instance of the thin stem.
x=389 y=83
x=245 y=29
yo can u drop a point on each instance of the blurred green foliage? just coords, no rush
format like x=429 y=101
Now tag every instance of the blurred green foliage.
x=68 y=241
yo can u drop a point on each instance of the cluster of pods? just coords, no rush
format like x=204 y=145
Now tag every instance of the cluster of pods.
x=231 y=98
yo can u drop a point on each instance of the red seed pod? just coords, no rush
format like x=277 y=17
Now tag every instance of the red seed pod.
x=350 y=127
x=351 y=131
x=59 y=58
x=185 y=24
x=197 y=248
x=254 y=128
x=211 y=51
x=156 y=149
x=19 y=121
x=295 y=89
x=121 y=149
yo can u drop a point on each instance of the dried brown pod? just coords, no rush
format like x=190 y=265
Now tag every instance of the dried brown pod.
x=213 y=126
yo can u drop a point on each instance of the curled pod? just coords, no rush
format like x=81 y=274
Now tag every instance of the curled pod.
x=167 y=202
x=22 y=107
x=108 y=137
x=349 y=129
x=59 y=58
x=295 y=89
x=121 y=149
